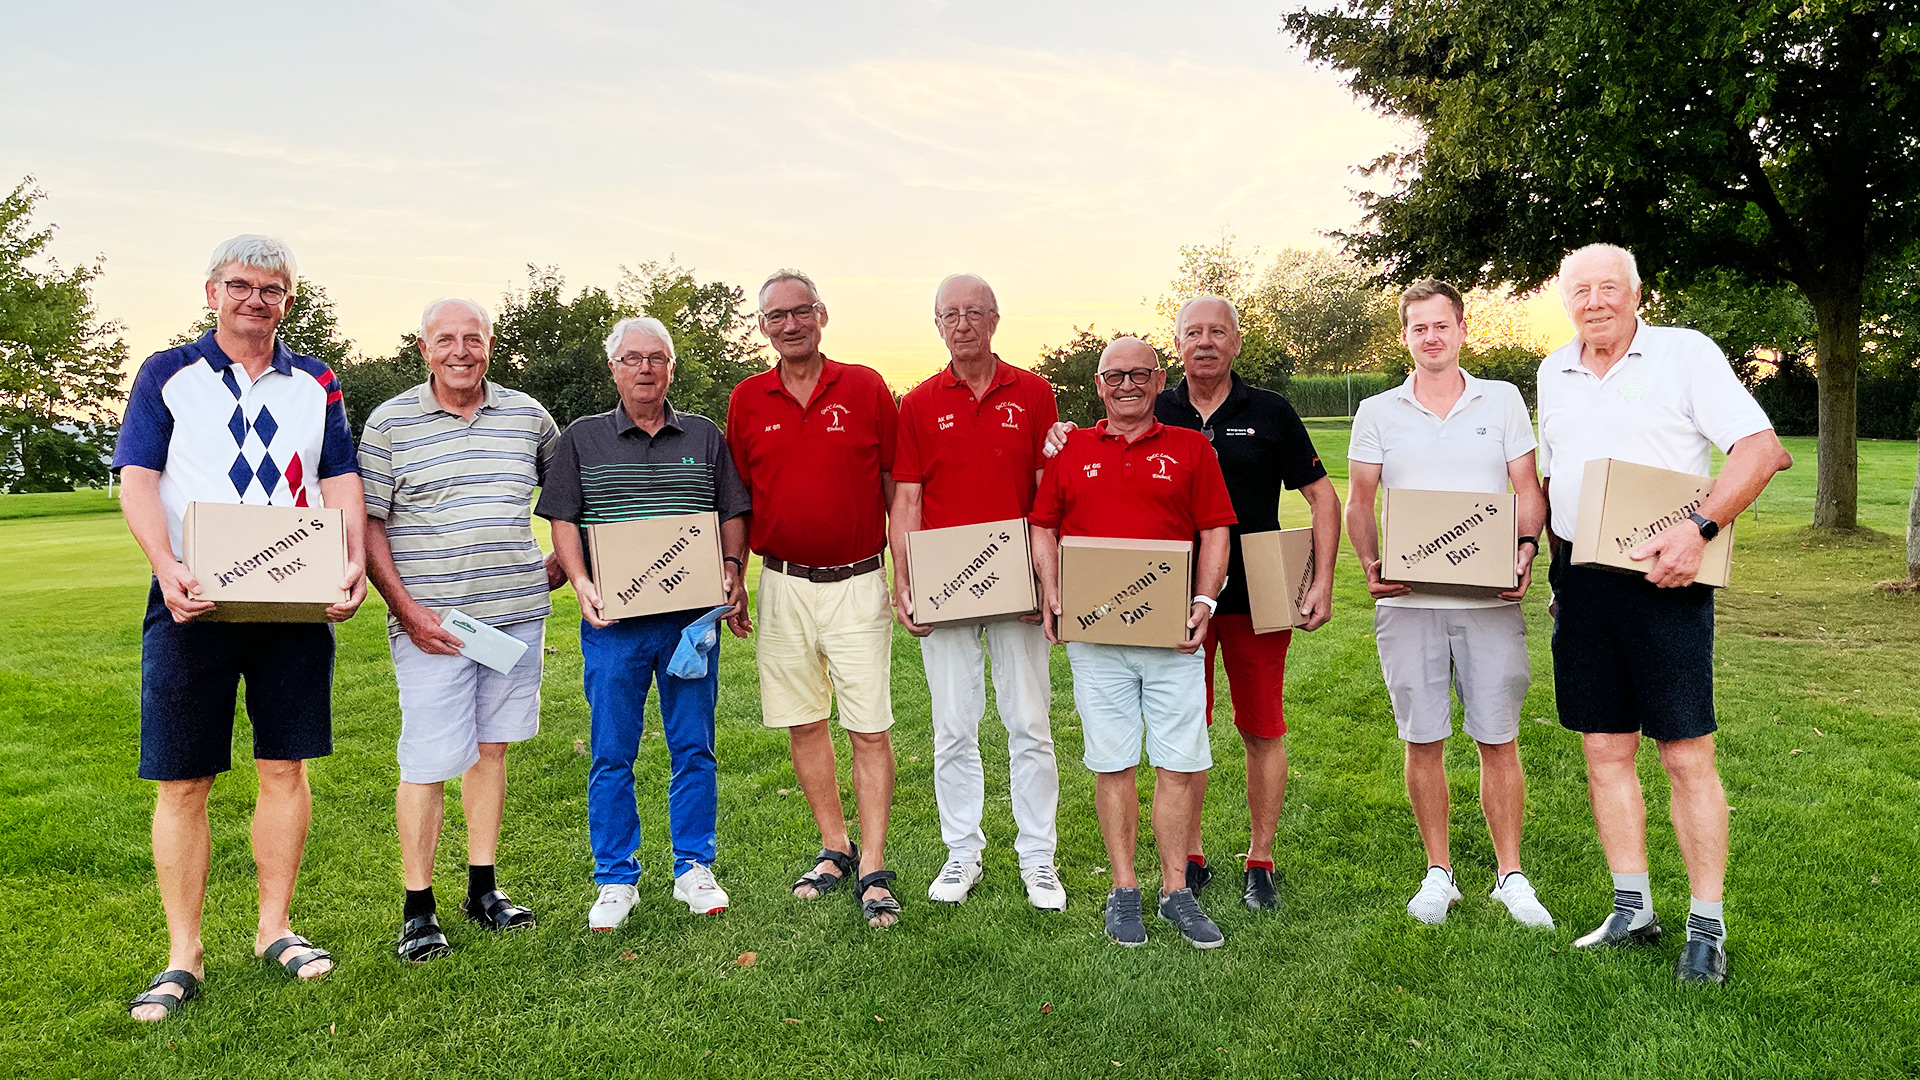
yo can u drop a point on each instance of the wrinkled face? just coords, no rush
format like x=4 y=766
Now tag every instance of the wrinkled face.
x=1140 y=378
x=1600 y=299
x=253 y=316
x=964 y=312
x=792 y=320
x=1208 y=342
x=1433 y=334
x=642 y=370
x=456 y=345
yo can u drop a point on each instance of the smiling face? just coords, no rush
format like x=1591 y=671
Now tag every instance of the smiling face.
x=1433 y=334
x=964 y=311
x=1601 y=299
x=456 y=344
x=794 y=329
x=1207 y=339
x=252 y=317
x=1132 y=400
x=642 y=384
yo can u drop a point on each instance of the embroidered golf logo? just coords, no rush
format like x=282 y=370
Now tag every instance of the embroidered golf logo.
x=1633 y=391
x=1162 y=461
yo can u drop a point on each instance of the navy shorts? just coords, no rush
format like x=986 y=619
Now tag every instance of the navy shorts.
x=189 y=675
x=1629 y=656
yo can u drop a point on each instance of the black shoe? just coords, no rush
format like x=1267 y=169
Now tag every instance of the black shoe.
x=1615 y=932
x=1702 y=960
x=1124 y=924
x=1198 y=874
x=1261 y=895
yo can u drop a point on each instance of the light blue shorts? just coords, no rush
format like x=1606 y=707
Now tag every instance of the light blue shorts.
x=449 y=705
x=1125 y=691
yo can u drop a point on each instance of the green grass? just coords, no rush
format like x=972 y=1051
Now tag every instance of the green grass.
x=1820 y=749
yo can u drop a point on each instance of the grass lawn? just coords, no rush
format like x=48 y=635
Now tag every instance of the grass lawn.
x=1819 y=696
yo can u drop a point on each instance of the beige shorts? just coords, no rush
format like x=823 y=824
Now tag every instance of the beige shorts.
x=817 y=641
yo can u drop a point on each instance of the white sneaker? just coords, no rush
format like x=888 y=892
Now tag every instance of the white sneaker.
x=1043 y=887
x=1437 y=894
x=956 y=880
x=610 y=910
x=696 y=888
x=1517 y=893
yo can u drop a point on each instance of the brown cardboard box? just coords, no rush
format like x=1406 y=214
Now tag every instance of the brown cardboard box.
x=970 y=572
x=1623 y=505
x=658 y=564
x=265 y=563
x=1279 y=567
x=1448 y=541
x=1125 y=592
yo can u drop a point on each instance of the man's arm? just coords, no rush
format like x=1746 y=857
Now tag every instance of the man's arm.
x=733 y=551
x=1363 y=531
x=1530 y=505
x=1046 y=567
x=903 y=518
x=1209 y=577
x=147 y=520
x=567 y=548
x=1324 y=504
x=421 y=624
x=345 y=493
x=1751 y=463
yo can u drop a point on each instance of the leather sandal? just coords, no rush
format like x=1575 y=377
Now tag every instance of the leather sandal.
x=822 y=882
x=497 y=913
x=185 y=980
x=884 y=905
x=421 y=939
x=307 y=953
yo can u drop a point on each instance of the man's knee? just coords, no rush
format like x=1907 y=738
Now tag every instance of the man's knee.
x=493 y=753
x=184 y=794
x=1690 y=763
x=281 y=774
x=871 y=742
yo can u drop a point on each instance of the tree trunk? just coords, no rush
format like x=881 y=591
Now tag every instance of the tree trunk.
x=1913 y=532
x=1836 y=494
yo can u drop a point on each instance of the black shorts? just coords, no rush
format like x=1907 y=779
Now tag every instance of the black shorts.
x=1629 y=656
x=189 y=673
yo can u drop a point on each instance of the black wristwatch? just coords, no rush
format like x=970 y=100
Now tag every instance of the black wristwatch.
x=1534 y=540
x=734 y=561
x=1709 y=528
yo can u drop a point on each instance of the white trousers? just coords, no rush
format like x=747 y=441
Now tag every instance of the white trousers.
x=956 y=680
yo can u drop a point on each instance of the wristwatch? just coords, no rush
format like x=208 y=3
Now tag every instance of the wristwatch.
x=734 y=561
x=1212 y=604
x=1534 y=540
x=1709 y=528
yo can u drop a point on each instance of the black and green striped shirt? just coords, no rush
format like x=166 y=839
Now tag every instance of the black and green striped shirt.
x=606 y=468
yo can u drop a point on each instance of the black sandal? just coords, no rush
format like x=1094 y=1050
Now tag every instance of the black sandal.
x=497 y=913
x=308 y=954
x=421 y=939
x=185 y=980
x=822 y=882
x=873 y=909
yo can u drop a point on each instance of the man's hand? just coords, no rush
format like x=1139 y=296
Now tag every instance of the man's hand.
x=1677 y=553
x=1197 y=619
x=425 y=631
x=1381 y=589
x=903 y=611
x=1318 y=607
x=556 y=576
x=589 y=598
x=1050 y=616
x=1057 y=437
x=1523 y=573
x=179 y=588
x=739 y=620
x=355 y=585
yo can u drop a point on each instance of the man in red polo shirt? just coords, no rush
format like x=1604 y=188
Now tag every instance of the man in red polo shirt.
x=970 y=441
x=1130 y=476
x=813 y=440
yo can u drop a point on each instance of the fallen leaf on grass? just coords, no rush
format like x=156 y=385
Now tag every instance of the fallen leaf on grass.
x=1398 y=989
x=1046 y=1007
x=1415 y=1043
x=579 y=746
x=1541 y=720
x=1113 y=1063
x=788 y=1020
x=1820 y=733
x=747 y=959
x=1796 y=750
x=1097 y=871
x=913 y=757
x=330 y=1027
x=629 y=955
x=877 y=1020
x=784 y=792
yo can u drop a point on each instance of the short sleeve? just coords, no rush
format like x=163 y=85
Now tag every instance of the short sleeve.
x=549 y=441
x=1365 y=444
x=1049 y=503
x=889 y=424
x=1212 y=506
x=730 y=496
x=1519 y=425
x=1723 y=410
x=336 y=440
x=909 y=465
x=1542 y=397
x=1299 y=461
x=560 y=495
x=147 y=428
x=376 y=468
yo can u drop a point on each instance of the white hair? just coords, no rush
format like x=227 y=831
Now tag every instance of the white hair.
x=646 y=324
x=1614 y=250
x=993 y=302
x=269 y=253
x=787 y=274
x=1180 y=319
x=427 y=315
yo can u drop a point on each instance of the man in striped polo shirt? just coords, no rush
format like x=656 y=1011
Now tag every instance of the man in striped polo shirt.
x=450 y=467
x=643 y=459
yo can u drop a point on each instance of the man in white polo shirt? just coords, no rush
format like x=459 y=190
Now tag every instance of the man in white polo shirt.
x=1444 y=430
x=1634 y=655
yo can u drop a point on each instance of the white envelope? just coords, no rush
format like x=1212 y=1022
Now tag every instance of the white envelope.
x=496 y=649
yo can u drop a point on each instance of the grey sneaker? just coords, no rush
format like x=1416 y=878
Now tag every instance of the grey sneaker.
x=1124 y=924
x=1181 y=909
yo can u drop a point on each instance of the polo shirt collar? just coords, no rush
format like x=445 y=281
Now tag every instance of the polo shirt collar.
x=1471 y=388
x=1577 y=348
x=1237 y=391
x=829 y=374
x=624 y=425
x=430 y=404
x=218 y=360
x=1100 y=429
x=1002 y=375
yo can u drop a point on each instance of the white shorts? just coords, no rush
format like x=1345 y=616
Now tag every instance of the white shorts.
x=1425 y=653
x=449 y=705
x=821 y=640
x=1125 y=691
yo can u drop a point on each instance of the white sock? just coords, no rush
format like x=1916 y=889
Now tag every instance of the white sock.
x=1632 y=897
x=1706 y=920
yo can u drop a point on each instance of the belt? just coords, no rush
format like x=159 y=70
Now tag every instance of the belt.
x=820 y=573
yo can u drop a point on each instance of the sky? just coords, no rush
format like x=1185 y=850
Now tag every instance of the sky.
x=412 y=150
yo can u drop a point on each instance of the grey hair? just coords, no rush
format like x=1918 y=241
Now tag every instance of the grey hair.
x=993 y=302
x=269 y=253
x=787 y=274
x=1180 y=319
x=646 y=324
x=1615 y=250
x=426 y=316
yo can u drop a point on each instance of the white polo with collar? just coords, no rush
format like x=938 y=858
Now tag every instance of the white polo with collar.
x=1666 y=403
x=1466 y=450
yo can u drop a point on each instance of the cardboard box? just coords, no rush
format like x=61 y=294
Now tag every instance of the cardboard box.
x=265 y=563
x=1279 y=566
x=970 y=572
x=658 y=564
x=1449 y=541
x=1125 y=592
x=1623 y=505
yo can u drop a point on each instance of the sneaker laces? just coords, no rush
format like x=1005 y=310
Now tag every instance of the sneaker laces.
x=1182 y=906
x=700 y=879
x=1044 y=877
x=953 y=873
x=608 y=894
x=1124 y=903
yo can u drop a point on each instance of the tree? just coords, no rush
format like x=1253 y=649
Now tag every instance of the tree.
x=1772 y=138
x=714 y=341
x=1218 y=269
x=1326 y=313
x=310 y=328
x=1070 y=367
x=60 y=365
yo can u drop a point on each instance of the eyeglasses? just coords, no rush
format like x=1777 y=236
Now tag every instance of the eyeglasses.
x=645 y=360
x=270 y=295
x=805 y=313
x=952 y=316
x=1138 y=376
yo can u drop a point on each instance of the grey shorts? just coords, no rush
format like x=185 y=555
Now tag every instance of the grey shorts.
x=449 y=705
x=1425 y=653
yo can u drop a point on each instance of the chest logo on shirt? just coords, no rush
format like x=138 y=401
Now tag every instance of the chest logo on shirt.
x=1011 y=412
x=1161 y=461
x=836 y=416
x=1479 y=431
x=1633 y=390
x=944 y=422
x=1091 y=469
x=771 y=427
x=1238 y=431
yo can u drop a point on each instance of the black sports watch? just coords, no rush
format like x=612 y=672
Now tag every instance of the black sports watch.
x=1709 y=528
x=1534 y=540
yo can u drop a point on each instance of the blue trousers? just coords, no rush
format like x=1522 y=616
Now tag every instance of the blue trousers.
x=622 y=661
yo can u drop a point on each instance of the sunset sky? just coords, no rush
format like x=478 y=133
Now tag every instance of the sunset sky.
x=412 y=150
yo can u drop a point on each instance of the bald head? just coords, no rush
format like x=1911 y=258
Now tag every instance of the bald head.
x=1126 y=352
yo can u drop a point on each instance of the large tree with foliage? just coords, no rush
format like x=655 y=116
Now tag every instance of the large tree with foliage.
x=714 y=339
x=1070 y=367
x=60 y=364
x=1778 y=139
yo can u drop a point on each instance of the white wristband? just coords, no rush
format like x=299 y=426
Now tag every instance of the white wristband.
x=1212 y=604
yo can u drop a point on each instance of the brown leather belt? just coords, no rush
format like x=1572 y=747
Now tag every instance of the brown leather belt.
x=820 y=573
